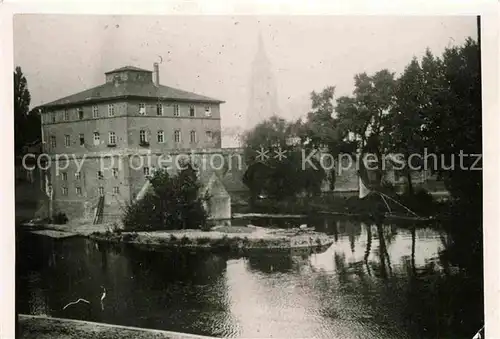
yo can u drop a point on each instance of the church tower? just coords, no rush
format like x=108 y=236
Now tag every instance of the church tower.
x=263 y=101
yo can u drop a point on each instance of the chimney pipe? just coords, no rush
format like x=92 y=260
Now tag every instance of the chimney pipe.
x=156 y=74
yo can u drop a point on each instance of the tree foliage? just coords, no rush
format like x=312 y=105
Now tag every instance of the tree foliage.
x=27 y=124
x=275 y=175
x=174 y=202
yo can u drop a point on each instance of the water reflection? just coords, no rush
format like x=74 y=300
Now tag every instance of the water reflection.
x=375 y=281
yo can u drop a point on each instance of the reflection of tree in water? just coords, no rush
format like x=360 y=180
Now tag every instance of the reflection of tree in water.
x=368 y=247
x=385 y=262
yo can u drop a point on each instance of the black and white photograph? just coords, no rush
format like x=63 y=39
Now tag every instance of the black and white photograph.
x=248 y=176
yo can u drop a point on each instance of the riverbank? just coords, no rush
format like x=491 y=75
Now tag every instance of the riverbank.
x=41 y=327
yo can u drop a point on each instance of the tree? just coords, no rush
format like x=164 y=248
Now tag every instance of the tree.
x=365 y=114
x=452 y=122
x=275 y=162
x=321 y=129
x=405 y=136
x=174 y=202
x=27 y=124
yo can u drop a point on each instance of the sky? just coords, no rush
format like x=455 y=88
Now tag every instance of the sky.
x=212 y=55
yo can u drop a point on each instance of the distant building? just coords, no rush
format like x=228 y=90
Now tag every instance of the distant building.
x=116 y=131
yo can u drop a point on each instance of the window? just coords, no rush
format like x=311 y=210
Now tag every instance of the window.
x=112 y=138
x=97 y=138
x=67 y=140
x=101 y=191
x=52 y=141
x=114 y=171
x=142 y=136
x=209 y=135
x=142 y=108
x=177 y=136
x=95 y=111
x=64 y=191
x=116 y=190
x=100 y=175
x=111 y=110
x=82 y=139
x=64 y=176
x=161 y=137
x=191 y=111
x=78 y=191
x=159 y=109
x=192 y=136
x=176 y=110
x=208 y=111
x=53 y=116
x=146 y=171
x=79 y=112
x=77 y=175
x=66 y=115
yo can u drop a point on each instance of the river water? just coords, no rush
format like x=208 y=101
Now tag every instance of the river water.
x=375 y=281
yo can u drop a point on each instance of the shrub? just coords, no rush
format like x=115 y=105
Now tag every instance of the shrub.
x=174 y=202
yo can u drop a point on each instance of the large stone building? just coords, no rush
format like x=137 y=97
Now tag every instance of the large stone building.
x=105 y=141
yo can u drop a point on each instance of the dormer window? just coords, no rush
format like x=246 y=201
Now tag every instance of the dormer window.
x=142 y=108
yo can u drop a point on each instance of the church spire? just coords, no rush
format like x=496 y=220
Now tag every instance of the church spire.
x=263 y=102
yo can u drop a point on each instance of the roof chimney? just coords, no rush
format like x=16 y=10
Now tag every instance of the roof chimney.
x=156 y=74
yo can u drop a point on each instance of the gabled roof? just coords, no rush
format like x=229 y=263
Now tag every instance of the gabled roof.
x=129 y=68
x=119 y=90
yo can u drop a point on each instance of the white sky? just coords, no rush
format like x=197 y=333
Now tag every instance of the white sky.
x=64 y=54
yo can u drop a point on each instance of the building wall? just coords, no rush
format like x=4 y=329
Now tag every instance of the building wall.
x=78 y=206
x=127 y=123
x=169 y=125
x=87 y=126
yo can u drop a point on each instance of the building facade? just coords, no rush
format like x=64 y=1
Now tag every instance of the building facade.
x=103 y=142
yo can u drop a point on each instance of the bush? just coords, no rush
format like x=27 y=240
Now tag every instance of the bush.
x=174 y=202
